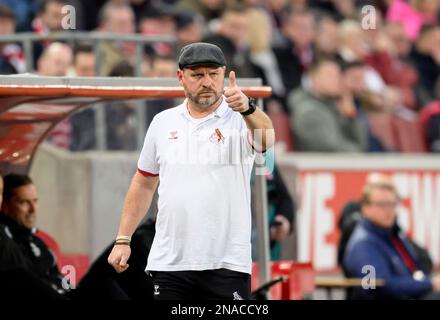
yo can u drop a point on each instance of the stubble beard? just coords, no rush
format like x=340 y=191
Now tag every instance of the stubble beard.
x=204 y=102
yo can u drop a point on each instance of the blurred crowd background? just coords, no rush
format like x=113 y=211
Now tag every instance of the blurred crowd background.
x=346 y=75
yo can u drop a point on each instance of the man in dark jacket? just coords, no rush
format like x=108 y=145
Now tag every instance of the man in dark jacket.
x=378 y=249
x=22 y=253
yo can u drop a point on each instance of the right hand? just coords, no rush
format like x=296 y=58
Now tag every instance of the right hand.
x=118 y=257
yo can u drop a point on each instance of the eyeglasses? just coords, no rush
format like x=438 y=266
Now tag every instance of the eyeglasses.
x=384 y=204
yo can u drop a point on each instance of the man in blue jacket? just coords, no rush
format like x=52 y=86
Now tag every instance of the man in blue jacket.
x=378 y=245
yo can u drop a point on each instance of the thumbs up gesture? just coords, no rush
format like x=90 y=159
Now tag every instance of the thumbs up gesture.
x=235 y=98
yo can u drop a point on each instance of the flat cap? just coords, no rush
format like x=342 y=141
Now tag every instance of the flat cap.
x=201 y=53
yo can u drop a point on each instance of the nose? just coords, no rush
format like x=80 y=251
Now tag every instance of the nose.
x=206 y=81
x=33 y=207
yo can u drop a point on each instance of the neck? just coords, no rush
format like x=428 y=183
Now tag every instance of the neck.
x=198 y=112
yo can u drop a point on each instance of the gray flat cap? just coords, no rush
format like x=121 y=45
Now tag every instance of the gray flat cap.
x=201 y=53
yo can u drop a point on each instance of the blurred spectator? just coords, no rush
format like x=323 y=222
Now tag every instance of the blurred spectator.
x=425 y=56
x=11 y=55
x=401 y=44
x=413 y=14
x=161 y=66
x=338 y=9
x=378 y=242
x=120 y=116
x=49 y=16
x=319 y=116
x=24 y=11
x=354 y=45
x=390 y=59
x=352 y=104
x=115 y=17
x=190 y=27
x=18 y=219
x=158 y=20
x=262 y=55
x=83 y=122
x=299 y=30
x=296 y=53
x=326 y=42
x=84 y=60
x=17 y=275
x=231 y=37
x=48 y=19
x=275 y=10
x=55 y=61
x=208 y=9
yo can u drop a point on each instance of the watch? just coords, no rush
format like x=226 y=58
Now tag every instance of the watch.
x=252 y=107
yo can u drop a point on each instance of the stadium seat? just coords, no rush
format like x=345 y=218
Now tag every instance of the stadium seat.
x=409 y=134
x=381 y=126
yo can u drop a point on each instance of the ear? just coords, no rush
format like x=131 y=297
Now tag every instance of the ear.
x=180 y=76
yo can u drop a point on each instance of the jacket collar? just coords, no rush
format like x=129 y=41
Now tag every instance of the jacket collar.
x=14 y=227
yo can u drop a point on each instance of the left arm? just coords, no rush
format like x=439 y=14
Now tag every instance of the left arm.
x=258 y=122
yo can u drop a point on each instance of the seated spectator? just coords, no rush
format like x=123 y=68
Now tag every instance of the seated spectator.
x=262 y=56
x=189 y=29
x=377 y=241
x=354 y=46
x=425 y=56
x=83 y=122
x=116 y=17
x=48 y=19
x=231 y=37
x=353 y=103
x=158 y=20
x=296 y=53
x=161 y=67
x=208 y=9
x=11 y=56
x=318 y=117
x=390 y=59
x=55 y=61
x=326 y=43
x=24 y=11
x=23 y=254
x=120 y=117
